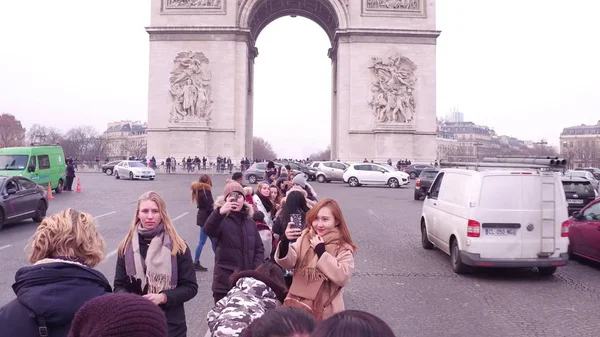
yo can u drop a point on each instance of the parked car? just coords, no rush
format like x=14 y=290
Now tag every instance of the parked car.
x=579 y=192
x=593 y=170
x=21 y=198
x=109 y=167
x=414 y=170
x=328 y=171
x=43 y=164
x=373 y=174
x=133 y=169
x=584 y=232
x=584 y=174
x=493 y=218
x=309 y=172
x=423 y=182
x=255 y=172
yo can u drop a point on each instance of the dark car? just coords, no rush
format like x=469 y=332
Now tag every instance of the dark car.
x=415 y=169
x=584 y=232
x=21 y=198
x=423 y=182
x=579 y=192
x=310 y=172
x=109 y=168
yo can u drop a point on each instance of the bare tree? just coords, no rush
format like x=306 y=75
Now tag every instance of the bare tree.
x=134 y=147
x=321 y=155
x=262 y=149
x=79 y=142
x=43 y=134
x=12 y=132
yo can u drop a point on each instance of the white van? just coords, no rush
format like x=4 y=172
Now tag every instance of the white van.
x=497 y=217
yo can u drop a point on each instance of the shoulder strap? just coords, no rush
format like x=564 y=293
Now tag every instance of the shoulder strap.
x=332 y=297
x=40 y=319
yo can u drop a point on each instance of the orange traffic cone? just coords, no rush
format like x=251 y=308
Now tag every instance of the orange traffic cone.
x=78 y=190
x=49 y=192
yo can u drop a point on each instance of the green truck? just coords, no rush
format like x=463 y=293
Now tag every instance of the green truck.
x=43 y=164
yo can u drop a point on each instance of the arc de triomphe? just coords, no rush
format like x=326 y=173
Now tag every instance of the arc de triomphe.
x=383 y=59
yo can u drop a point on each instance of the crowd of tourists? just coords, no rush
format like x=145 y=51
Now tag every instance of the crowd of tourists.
x=282 y=261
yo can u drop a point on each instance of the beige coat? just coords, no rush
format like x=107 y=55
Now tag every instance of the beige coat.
x=337 y=269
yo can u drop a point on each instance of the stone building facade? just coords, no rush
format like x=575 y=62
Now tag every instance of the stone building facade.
x=125 y=139
x=580 y=144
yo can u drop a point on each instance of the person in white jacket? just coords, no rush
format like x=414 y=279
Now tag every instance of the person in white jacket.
x=263 y=202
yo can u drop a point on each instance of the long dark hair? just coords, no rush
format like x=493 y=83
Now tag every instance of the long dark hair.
x=353 y=323
x=282 y=321
x=295 y=202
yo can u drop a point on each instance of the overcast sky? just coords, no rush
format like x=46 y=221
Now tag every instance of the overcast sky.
x=527 y=68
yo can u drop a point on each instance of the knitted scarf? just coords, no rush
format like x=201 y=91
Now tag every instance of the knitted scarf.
x=308 y=258
x=159 y=268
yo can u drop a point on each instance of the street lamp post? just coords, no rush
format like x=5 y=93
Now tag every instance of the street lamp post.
x=541 y=144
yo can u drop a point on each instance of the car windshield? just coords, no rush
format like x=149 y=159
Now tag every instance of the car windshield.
x=136 y=164
x=578 y=187
x=428 y=174
x=13 y=162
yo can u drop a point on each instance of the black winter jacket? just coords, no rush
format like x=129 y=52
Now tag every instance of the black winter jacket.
x=52 y=292
x=204 y=201
x=238 y=244
x=187 y=288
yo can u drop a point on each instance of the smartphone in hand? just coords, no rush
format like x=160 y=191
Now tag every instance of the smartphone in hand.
x=296 y=218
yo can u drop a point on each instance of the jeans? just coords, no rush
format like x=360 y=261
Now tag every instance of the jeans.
x=201 y=243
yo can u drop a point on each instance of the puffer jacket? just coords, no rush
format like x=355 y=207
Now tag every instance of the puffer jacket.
x=252 y=295
x=52 y=291
x=239 y=246
x=204 y=201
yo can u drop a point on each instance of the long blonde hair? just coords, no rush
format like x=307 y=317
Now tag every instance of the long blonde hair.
x=178 y=243
x=69 y=234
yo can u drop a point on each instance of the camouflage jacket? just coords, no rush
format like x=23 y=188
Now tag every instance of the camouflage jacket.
x=247 y=301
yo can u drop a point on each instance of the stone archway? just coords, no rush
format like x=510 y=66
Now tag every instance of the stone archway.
x=383 y=73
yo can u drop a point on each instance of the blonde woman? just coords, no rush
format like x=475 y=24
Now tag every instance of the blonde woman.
x=322 y=258
x=64 y=249
x=263 y=202
x=155 y=262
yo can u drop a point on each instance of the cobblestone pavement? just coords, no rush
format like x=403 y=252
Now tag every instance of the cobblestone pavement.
x=412 y=289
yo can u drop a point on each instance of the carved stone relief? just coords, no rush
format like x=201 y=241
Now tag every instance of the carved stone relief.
x=394 y=4
x=393 y=89
x=212 y=4
x=191 y=88
x=405 y=8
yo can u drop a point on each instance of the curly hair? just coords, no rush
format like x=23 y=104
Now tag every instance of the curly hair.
x=70 y=234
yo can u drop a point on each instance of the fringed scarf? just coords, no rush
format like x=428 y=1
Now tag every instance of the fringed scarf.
x=308 y=258
x=159 y=268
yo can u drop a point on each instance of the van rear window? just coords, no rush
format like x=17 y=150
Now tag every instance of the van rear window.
x=15 y=162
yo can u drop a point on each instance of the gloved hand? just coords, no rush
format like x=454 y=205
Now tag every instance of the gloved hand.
x=134 y=286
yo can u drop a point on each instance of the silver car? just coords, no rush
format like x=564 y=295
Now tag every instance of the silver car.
x=329 y=171
x=133 y=170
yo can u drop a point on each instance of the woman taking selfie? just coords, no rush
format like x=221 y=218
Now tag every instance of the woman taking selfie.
x=238 y=244
x=155 y=262
x=322 y=258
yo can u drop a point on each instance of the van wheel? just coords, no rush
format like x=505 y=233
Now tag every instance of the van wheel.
x=393 y=183
x=457 y=265
x=59 y=187
x=424 y=238
x=321 y=178
x=547 y=271
x=1 y=218
x=40 y=211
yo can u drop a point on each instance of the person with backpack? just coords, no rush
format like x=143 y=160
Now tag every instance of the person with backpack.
x=253 y=293
x=322 y=258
